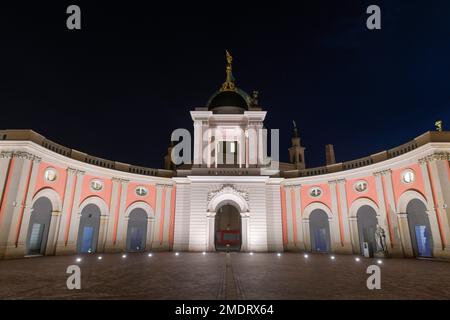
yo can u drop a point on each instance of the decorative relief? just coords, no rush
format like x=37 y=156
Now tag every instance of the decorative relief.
x=227 y=189
x=386 y=172
x=20 y=155
x=435 y=156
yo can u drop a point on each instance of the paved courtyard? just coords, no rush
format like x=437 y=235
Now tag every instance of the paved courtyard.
x=222 y=276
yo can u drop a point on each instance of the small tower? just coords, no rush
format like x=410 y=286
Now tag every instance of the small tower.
x=297 y=152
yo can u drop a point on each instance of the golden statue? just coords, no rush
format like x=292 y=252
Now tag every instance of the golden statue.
x=438 y=125
x=229 y=84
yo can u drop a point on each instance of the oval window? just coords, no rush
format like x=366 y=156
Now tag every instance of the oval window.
x=96 y=185
x=408 y=176
x=50 y=174
x=360 y=186
x=315 y=192
x=141 y=191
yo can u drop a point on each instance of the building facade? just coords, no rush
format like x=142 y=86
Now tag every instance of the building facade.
x=56 y=200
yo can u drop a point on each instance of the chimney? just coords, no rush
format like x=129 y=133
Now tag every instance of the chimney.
x=329 y=154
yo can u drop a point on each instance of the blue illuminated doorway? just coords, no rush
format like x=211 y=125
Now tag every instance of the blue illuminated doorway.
x=137 y=230
x=319 y=231
x=419 y=228
x=88 y=229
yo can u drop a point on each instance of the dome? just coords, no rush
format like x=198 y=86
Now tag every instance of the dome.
x=228 y=101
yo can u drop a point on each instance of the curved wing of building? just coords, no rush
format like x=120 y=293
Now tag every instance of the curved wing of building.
x=56 y=200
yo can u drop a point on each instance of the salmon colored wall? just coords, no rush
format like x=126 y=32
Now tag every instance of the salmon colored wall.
x=307 y=199
x=400 y=187
x=150 y=198
x=105 y=193
x=353 y=195
x=58 y=185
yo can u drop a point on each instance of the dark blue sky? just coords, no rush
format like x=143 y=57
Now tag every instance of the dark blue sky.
x=117 y=88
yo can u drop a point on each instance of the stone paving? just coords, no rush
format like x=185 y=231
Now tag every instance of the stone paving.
x=218 y=276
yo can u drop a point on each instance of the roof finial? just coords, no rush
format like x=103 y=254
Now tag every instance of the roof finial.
x=295 y=129
x=229 y=85
x=438 y=125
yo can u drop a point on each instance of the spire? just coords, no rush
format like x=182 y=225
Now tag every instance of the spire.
x=295 y=129
x=229 y=84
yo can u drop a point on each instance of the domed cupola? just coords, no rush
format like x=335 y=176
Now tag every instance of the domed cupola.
x=229 y=99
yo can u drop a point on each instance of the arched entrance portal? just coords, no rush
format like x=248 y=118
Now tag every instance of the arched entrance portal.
x=89 y=229
x=320 y=231
x=419 y=229
x=137 y=230
x=367 y=226
x=228 y=229
x=39 y=226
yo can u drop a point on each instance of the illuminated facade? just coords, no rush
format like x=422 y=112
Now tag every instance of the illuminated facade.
x=56 y=200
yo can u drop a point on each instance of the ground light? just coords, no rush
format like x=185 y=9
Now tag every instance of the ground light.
x=124 y=256
x=379 y=262
x=357 y=259
x=149 y=254
x=78 y=260
x=203 y=253
x=305 y=255
x=177 y=253
x=279 y=254
x=100 y=258
x=251 y=253
x=332 y=257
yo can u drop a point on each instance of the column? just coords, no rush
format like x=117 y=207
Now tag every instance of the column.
x=298 y=218
x=210 y=227
x=439 y=174
x=111 y=234
x=394 y=240
x=69 y=193
x=438 y=242
x=289 y=223
x=5 y=160
x=342 y=206
x=166 y=222
x=13 y=202
x=71 y=234
x=306 y=234
x=53 y=233
x=337 y=242
x=150 y=231
x=28 y=206
x=246 y=244
x=158 y=216
x=103 y=230
x=353 y=221
x=404 y=231
x=121 y=234
x=198 y=142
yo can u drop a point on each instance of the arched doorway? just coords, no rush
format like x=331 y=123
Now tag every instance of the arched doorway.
x=227 y=229
x=367 y=226
x=137 y=230
x=39 y=226
x=89 y=229
x=320 y=231
x=419 y=229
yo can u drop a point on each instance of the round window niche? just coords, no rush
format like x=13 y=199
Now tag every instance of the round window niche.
x=360 y=186
x=315 y=192
x=408 y=176
x=96 y=185
x=50 y=174
x=141 y=191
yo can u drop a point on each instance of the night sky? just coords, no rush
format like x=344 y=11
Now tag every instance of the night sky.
x=119 y=86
